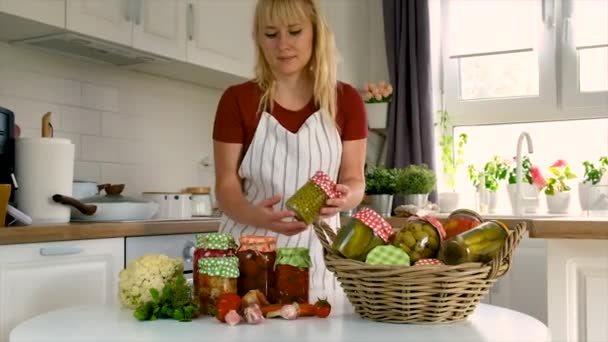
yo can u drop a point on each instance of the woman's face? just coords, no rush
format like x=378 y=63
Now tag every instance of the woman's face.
x=287 y=47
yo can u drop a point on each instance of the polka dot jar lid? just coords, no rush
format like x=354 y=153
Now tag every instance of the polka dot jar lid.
x=322 y=180
x=427 y=262
x=227 y=267
x=376 y=222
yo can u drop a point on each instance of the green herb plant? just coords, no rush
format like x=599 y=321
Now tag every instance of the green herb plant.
x=558 y=181
x=592 y=173
x=175 y=301
x=451 y=160
x=493 y=172
x=416 y=179
x=526 y=171
x=380 y=180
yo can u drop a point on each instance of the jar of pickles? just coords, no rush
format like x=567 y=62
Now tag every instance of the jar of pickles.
x=420 y=237
x=479 y=244
x=257 y=256
x=211 y=246
x=216 y=277
x=461 y=220
x=292 y=275
x=307 y=202
x=365 y=230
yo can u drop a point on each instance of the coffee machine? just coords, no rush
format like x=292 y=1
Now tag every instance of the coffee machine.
x=7 y=150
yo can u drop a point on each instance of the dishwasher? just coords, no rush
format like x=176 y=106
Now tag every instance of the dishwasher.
x=179 y=245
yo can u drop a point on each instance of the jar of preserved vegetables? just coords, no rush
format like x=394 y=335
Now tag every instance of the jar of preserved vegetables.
x=420 y=237
x=292 y=275
x=365 y=230
x=461 y=220
x=479 y=244
x=216 y=276
x=257 y=255
x=307 y=202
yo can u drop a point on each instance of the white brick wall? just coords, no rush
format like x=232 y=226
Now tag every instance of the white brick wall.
x=148 y=132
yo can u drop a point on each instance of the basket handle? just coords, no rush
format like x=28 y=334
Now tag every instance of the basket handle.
x=505 y=255
x=325 y=234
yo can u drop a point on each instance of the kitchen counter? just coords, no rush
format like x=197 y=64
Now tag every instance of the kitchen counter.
x=586 y=228
x=101 y=230
x=110 y=323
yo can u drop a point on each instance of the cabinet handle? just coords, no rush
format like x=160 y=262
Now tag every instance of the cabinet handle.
x=190 y=21
x=61 y=250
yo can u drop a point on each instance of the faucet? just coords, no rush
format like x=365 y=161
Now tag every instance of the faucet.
x=518 y=208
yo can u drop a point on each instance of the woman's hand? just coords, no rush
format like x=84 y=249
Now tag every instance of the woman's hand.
x=274 y=220
x=336 y=205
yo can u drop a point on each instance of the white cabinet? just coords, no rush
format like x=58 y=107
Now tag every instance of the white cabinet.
x=155 y=26
x=524 y=287
x=220 y=35
x=50 y=12
x=36 y=278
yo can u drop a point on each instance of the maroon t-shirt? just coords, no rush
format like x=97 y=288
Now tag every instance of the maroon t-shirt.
x=236 y=118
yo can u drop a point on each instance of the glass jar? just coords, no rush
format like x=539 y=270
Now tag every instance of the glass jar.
x=257 y=255
x=420 y=237
x=365 y=230
x=292 y=275
x=479 y=244
x=216 y=276
x=307 y=202
x=459 y=221
x=200 y=200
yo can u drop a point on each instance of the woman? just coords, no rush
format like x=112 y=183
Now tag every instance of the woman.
x=272 y=134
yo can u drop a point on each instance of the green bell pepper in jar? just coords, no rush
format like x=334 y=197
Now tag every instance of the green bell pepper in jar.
x=307 y=202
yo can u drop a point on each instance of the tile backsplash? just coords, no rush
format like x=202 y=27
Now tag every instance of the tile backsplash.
x=145 y=131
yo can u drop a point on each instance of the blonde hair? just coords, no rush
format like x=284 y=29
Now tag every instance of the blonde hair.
x=323 y=61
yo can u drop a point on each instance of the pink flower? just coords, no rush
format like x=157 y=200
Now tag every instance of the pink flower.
x=382 y=84
x=537 y=178
x=559 y=163
x=366 y=86
x=389 y=88
x=385 y=93
x=368 y=96
x=378 y=96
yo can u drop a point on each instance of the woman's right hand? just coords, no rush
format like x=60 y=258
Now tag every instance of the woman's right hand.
x=274 y=220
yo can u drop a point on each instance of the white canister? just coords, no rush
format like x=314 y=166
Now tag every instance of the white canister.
x=44 y=167
x=171 y=205
x=201 y=200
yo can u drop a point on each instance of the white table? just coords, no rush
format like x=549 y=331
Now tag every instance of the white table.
x=108 y=323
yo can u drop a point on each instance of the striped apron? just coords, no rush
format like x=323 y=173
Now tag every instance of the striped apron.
x=279 y=162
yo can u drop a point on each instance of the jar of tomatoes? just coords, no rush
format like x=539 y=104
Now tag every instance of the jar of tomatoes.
x=216 y=277
x=257 y=255
x=365 y=230
x=292 y=275
x=307 y=202
x=461 y=220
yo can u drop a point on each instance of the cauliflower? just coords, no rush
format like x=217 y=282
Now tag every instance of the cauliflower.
x=143 y=273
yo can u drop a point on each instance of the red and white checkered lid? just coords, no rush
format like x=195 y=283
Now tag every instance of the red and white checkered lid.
x=433 y=221
x=373 y=220
x=422 y=262
x=326 y=183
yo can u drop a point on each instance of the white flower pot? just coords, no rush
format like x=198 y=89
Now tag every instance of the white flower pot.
x=377 y=114
x=558 y=203
x=448 y=201
x=593 y=197
x=531 y=195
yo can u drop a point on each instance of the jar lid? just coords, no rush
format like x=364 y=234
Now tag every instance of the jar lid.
x=198 y=190
x=294 y=256
x=215 y=241
x=257 y=243
x=227 y=267
x=467 y=212
x=376 y=222
x=322 y=180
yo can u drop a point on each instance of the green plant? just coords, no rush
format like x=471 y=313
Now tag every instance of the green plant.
x=529 y=173
x=561 y=170
x=174 y=301
x=451 y=161
x=380 y=180
x=493 y=171
x=592 y=173
x=416 y=179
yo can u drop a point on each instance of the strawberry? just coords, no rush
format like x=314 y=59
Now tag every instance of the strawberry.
x=323 y=307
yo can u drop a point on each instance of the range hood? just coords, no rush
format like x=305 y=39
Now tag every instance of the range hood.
x=85 y=47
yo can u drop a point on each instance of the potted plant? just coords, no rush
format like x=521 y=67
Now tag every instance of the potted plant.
x=377 y=97
x=451 y=161
x=416 y=182
x=380 y=187
x=557 y=190
x=591 y=193
x=532 y=182
x=487 y=182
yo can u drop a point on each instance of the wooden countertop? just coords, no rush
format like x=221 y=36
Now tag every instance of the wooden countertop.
x=83 y=231
x=589 y=228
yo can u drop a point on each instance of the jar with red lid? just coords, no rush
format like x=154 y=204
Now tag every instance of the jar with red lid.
x=420 y=237
x=292 y=275
x=257 y=255
x=461 y=220
x=307 y=202
x=365 y=230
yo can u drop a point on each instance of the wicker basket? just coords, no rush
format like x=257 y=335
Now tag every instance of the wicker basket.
x=419 y=294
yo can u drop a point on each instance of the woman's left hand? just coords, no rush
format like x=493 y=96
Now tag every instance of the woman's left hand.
x=336 y=205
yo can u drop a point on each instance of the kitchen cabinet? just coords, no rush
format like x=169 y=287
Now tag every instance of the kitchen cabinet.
x=40 y=277
x=220 y=35
x=154 y=26
x=524 y=287
x=50 y=12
